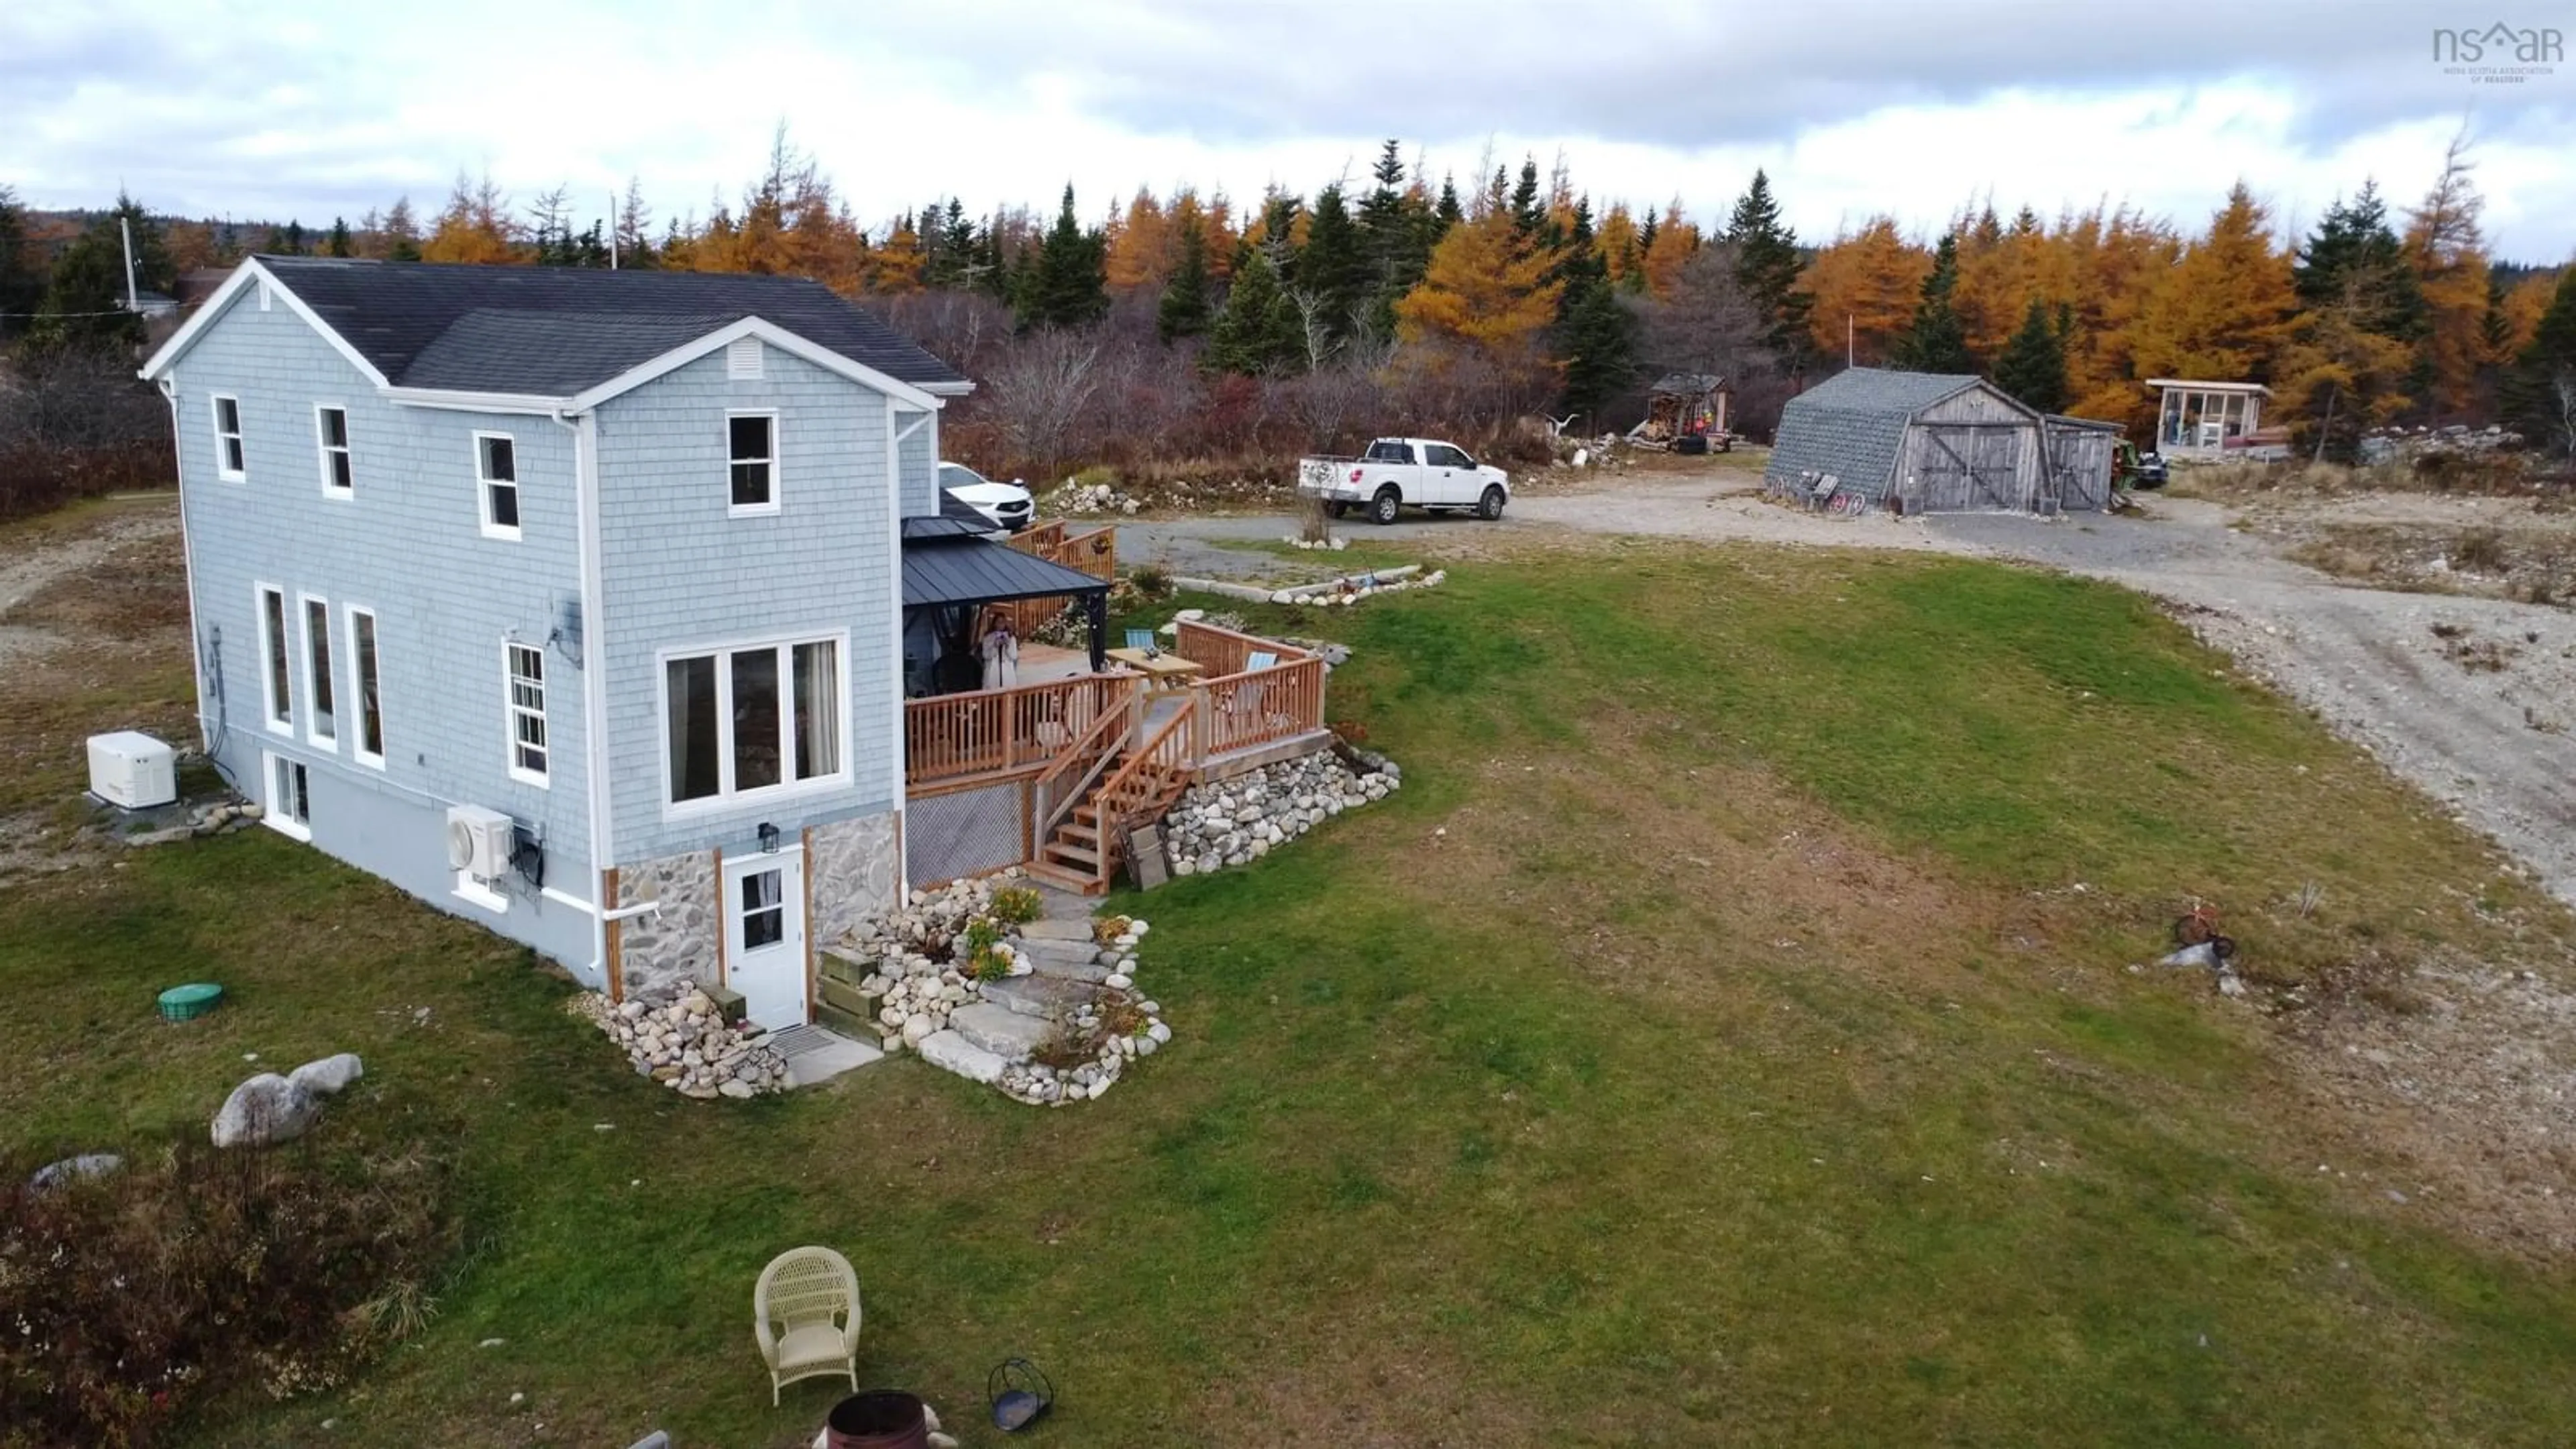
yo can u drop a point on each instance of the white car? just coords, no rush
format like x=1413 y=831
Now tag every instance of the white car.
x=1395 y=472
x=1008 y=505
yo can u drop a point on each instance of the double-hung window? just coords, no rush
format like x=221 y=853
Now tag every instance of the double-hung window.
x=366 y=702
x=751 y=445
x=748 y=720
x=229 y=458
x=496 y=484
x=331 y=434
x=321 y=713
x=276 y=655
x=526 y=702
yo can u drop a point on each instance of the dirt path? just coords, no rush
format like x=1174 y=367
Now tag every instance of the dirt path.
x=33 y=562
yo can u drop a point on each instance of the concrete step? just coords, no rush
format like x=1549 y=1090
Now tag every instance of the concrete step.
x=1050 y=952
x=841 y=995
x=1049 y=998
x=1059 y=929
x=951 y=1051
x=1003 y=1032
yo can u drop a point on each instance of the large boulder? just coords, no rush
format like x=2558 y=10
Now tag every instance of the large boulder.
x=266 y=1109
x=328 y=1076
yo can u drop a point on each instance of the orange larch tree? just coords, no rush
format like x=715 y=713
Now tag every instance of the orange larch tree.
x=2223 y=311
x=1871 y=280
x=475 y=226
x=1675 y=239
x=2450 y=260
x=1486 y=287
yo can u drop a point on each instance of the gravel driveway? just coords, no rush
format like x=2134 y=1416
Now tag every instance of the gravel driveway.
x=2473 y=700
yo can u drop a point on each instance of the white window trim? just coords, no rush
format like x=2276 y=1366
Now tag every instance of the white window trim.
x=323 y=451
x=277 y=714
x=510 y=711
x=351 y=614
x=272 y=811
x=483 y=487
x=727 y=797
x=472 y=888
x=215 y=419
x=313 y=732
x=776 y=473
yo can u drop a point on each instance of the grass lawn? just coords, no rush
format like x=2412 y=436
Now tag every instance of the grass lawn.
x=1708 y=1045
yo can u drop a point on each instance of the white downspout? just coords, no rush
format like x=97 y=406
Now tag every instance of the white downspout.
x=594 y=687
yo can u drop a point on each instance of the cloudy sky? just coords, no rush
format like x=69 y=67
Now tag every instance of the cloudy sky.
x=259 y=108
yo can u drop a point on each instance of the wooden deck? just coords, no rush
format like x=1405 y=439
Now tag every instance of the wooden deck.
x=1089 y=755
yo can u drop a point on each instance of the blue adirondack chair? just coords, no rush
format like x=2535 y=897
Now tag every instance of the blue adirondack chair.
x=1141 y=640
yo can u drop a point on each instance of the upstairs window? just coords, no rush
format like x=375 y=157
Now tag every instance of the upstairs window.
x=752 y=440
x=496 y=483
x=331 y=429
x=228 y=440
x=527 y=704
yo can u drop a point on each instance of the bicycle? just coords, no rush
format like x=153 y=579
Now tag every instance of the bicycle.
x=2199 y=927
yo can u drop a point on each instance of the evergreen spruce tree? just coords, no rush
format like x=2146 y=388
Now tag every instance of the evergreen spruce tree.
x=1598 y=342
x=338 y=243
x=2032 y=366
x=2539 y=390
x=1767 y=265
x=1448 y=213
x=1397 y=231
x=83 y=302
x=20 y=284
x=1332 y=269
x=1258 y=332
x=1068 y=286
x=2353 y=260
x=295 y=243
x=1184 y=309
x=1936 y=342
x=1529 y=208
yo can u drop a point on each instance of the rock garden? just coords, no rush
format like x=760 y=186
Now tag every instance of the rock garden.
x=979 y=980
x=1238 y=821
x=685 y=1042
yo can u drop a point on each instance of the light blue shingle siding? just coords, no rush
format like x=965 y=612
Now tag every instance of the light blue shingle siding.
x=678 y=572
x=408 y=546
x=920 y=458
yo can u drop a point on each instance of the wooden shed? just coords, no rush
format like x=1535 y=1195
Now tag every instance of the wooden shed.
x=1915 y=442
x=2082 y=455
x=1683 y=404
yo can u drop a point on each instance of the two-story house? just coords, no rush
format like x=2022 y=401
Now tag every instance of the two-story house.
x=573 y=601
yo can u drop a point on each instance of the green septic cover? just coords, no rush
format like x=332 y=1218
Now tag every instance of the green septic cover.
x=195 y=999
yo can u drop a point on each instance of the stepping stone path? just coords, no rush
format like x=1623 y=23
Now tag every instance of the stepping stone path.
x=1065 y=1025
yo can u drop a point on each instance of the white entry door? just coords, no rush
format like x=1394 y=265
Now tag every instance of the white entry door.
x=764 y=907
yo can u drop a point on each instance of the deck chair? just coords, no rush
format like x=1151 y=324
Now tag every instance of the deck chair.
x=798 y=1310
x=1142 y=640
x=1259 y=659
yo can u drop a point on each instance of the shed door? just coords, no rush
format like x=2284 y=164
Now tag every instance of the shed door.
x=1969 y=467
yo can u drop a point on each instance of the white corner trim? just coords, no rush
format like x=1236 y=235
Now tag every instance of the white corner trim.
x=245 y=275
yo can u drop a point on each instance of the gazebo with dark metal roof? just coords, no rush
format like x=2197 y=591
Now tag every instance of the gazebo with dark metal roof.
x=951 y=571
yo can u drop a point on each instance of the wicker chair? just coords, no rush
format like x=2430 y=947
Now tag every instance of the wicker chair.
x=805 y=1312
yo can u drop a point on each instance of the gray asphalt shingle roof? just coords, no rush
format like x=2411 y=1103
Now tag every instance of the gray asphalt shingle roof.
x=1852 y=425
x=975 y=571
x=554 y=331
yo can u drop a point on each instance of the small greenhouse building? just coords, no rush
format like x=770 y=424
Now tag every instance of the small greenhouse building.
x=1920 y=442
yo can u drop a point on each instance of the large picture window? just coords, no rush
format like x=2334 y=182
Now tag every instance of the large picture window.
x=744 y=721
x=367 y=700
x=276 y=694
x=321 y=703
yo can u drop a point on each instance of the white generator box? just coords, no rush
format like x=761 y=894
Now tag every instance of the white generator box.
x=133 y=770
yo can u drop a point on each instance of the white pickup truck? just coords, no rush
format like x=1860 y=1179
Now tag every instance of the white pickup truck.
x=1395 y=472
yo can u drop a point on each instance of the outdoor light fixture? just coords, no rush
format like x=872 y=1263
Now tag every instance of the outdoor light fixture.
x=768 y=838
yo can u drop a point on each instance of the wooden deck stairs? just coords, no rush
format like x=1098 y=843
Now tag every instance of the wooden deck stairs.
x=1080 y=852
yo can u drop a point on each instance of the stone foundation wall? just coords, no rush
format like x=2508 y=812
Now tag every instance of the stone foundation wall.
x=854 y=873
x=662 y=952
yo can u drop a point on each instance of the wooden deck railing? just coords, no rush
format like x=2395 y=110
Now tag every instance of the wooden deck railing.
x=1094 y=552
x=958 y=736
x=1224 y=651
x=1259 y=706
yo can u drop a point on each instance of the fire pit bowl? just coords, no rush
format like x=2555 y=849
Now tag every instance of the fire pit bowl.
x=878 y=1419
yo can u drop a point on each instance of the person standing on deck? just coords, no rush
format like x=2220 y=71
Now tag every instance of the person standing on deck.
x=1001 y=651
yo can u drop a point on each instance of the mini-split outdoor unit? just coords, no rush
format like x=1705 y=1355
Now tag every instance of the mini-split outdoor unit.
x=132 y=770
x=479 y=841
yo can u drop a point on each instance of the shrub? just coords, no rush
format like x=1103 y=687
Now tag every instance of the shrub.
x=1018 y=905
x=2481 y=550
x=132 y=1298
x=1151 y=581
